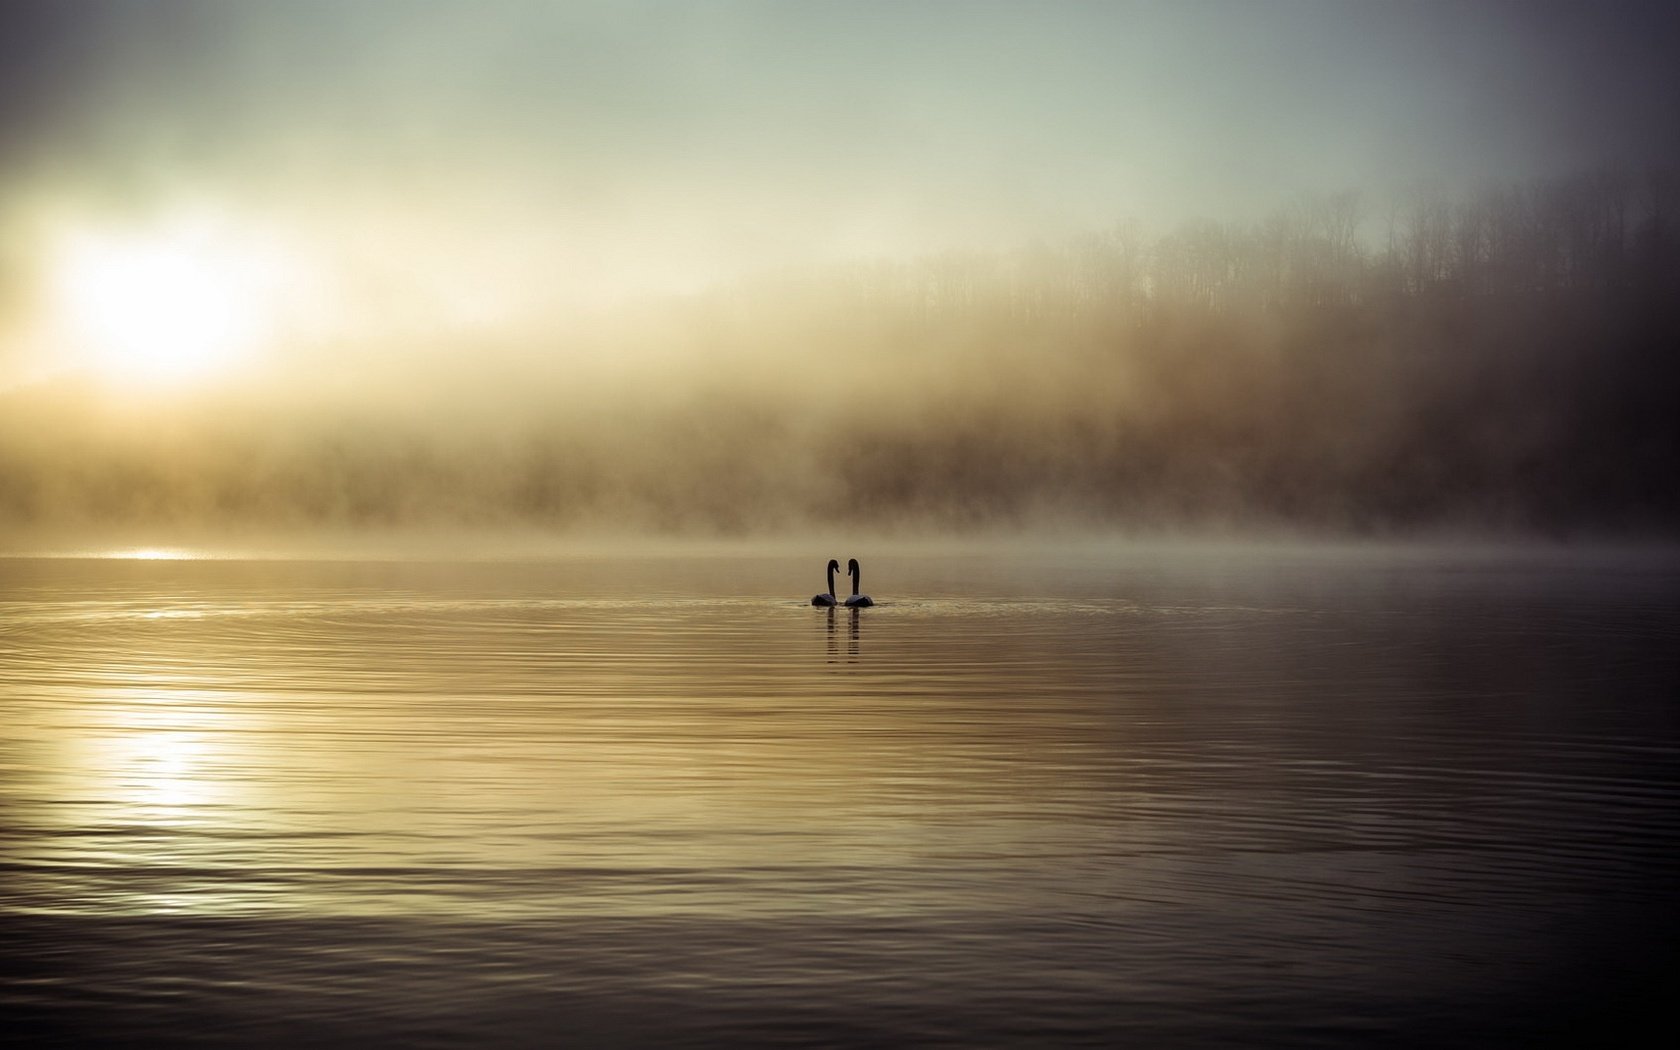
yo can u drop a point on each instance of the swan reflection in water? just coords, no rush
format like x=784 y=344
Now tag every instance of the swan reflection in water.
x=852 y=633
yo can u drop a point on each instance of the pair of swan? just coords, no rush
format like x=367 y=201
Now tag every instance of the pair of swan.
x=856 y=601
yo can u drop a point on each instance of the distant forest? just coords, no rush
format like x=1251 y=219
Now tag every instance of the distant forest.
x=1505 y=361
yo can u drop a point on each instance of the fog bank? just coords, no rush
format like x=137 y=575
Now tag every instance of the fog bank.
x=1501 y=361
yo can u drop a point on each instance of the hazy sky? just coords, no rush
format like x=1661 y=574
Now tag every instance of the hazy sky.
x=484 y=157
x=327 y=261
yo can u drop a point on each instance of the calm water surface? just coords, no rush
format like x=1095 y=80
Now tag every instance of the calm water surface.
x=1166 y=797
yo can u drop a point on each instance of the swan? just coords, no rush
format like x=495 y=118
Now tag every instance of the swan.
x=856 y=601
x=828 y=599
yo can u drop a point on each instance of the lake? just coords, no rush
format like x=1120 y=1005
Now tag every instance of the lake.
x=1163 y=795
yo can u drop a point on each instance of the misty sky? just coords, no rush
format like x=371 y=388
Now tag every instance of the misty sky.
x=630 y=146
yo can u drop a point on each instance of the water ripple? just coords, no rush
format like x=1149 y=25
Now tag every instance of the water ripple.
x=1170 y=804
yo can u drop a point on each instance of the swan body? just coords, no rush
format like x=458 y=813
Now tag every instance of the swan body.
x=856 y=601
x=828 y=598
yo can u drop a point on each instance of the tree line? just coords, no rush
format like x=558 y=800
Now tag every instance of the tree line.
x=1505 y=360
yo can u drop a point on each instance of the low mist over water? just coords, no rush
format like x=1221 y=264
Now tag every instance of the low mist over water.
x=1507 y=363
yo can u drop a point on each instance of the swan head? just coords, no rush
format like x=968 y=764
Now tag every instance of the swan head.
x=834 y=565
x=851 y=567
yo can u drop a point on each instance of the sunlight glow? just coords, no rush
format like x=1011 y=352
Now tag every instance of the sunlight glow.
x=168 y=304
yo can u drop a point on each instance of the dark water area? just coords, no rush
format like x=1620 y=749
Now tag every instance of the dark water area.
x=1165 y=796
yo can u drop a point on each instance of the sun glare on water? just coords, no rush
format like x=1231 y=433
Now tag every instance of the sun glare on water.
x=153 y=554
x=167 y=305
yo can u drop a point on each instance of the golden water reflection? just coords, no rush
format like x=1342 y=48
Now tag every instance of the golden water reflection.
x=1040 y=790
x=153 y=554
x=211 y=738
x=420 y=757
